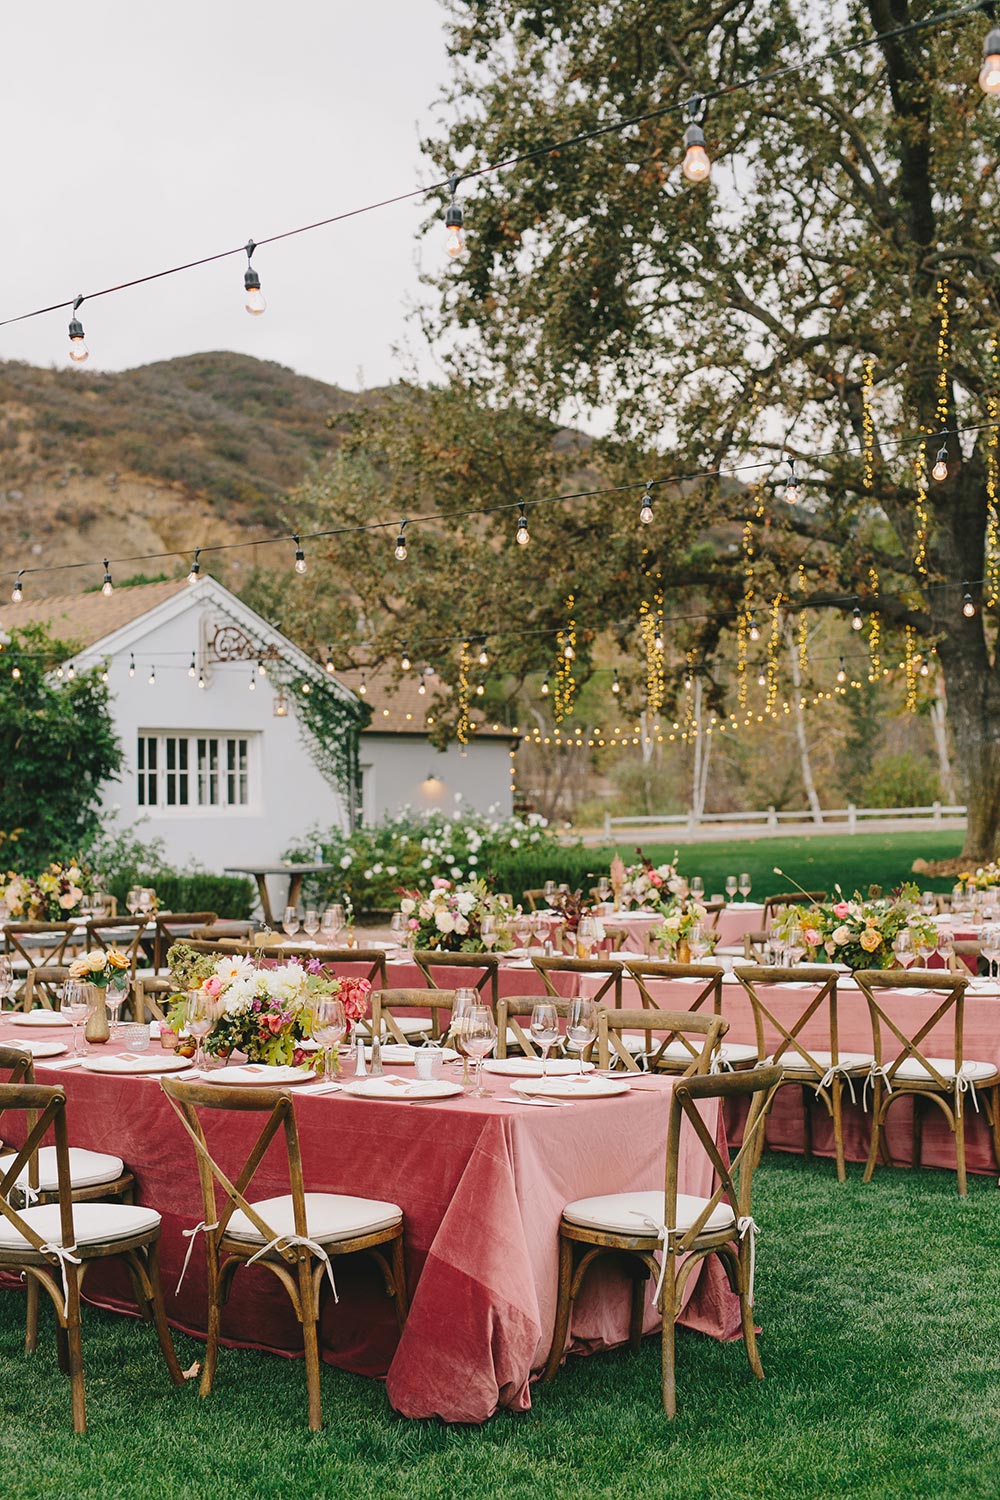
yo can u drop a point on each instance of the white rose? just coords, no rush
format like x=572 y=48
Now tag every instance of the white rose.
x=466 y=901
x=425 y=864
x=840 y=936
x=444 y=921
x=376 y=869
x=407 y=906
x=461 y=925
x=456 y=873
x=346 y=861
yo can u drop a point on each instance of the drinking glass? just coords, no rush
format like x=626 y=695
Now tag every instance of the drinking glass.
x=398 y=928
x=489 y=932
x=698 y=943
x=903 y=947
x=989 y=945
x=290 y=921
x=135 y=1036
x=522 y=929
x=544 y=1029
x=586 y=937
x=199 y=1017
x=698 y=888
x=745 y=885
x=134 y=899
x=465 y=1001
x=731 y=886
x=603 y=888
x=539 y=927
x=479 y=1039
x=946 y=945
x=147 y=900
x=74 y=1004
x=928 y=904
x=332 y=924
x=549 y=890
x=310 y=922
x=329 y=1026
x=6 y=978
x=581 y=1026
x=114 y=998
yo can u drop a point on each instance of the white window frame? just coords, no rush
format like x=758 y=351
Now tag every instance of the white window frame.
x=190 y=765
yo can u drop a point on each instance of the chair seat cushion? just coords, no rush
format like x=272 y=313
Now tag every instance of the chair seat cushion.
x=733 y=1053
x=330 y=1216
x=912 y=1071
x=408 y=1025
x=794 y=1062
x=628 y=1213
x=86 y=1168
x=93 y=1224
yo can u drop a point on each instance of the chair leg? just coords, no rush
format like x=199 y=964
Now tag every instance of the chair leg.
x=807 y=1131
x=214 y=1320
x=310 y=1337
x=668 y=1339
x=563 y=1309
x=400 y=1297
x=960 y=1149
x=159 y=1312
x=876 y=1131
x=74 y=1340
x=746 y=1309
x=917 y=1156
x=837 y=1111
x=640 y=1276
x=31 y=1317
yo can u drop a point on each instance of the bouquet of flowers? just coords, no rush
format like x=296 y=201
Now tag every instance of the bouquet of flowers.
x=982 y=879
x=861 y=932
x=105 y=967
x=680 y=918
x=265 y=1013
x=449 y=916
x=49 y=897
x=646 y=884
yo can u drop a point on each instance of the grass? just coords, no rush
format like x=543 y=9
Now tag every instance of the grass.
x=881 y=1346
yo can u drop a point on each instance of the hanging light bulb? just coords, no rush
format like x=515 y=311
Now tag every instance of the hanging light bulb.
x=940 y=469
x=484 y=655
x=842 y=671
x=793 y=486
x=363 y=689
x=300 y=557
x=78 y=351
x=307 y=688
x=151 y=679
x=399 y=552
x=328 y=664
x=59 y=672
x=107 y=587
x=616 y=686
x=71 y=672
x=697 y=166
x=989 y=73
x=454 y=241
x=968 y=606
x=281 y=705
x=658 y=638
x=261 y=669
x=753 y=629
x=254 y=303
x=131 y=664
x=253 y=683
x=545 y=687
x=421 y=687
x=856 y=620
x=480 y=689
x=15 y=672
x=201 y=680
x=925 y=667
x=568 y=653
x=688 y=679
x=522 y=536
x=17 y=592
x=646 y=508
x=762 y=677
x=195 y=566
x=192 y=669
x=404 y=660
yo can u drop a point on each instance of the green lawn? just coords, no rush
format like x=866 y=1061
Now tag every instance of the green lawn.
x=881 y=1315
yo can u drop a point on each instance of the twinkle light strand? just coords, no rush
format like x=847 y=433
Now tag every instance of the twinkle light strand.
x=910 y=667
x=874 y=629
x=773 y=647
x=463 y=725
x=992 y=561
x=803 y=624
x=564 y=693
x=868 y=421
x=649 y=618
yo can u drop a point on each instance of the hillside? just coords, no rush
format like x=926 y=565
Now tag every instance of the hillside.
x=151 y=458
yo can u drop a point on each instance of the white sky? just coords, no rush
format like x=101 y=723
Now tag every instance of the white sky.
x=140 y=135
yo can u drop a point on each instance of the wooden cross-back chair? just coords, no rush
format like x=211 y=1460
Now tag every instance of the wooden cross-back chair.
x=682 y=1228
x=712 y=910
x=295 y=1236
x=407 y=1028
x=533 y=899
x=683 y=1042
x=616 y=936
x=914 y=1074
x=39 y=946
x=485 y=965
x=123 y=933
x=964 y=956
x=373 y=958
x=755 y=946
x=610 y=975
x=43 y=987
x=512 y=1033
x=54 y=1244
x=704 y=994
x=781 y=1009
x=173 y=927
x=790 y=898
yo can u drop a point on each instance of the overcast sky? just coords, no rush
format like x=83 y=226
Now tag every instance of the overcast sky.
x=141 y=135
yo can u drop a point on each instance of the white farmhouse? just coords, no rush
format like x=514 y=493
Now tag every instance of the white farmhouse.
x=235 y=741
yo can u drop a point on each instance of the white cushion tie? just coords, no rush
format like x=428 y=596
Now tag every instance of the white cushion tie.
x=831 y=1073
x=662 y=1234
x=63 y=1254
x=875 y=1072
x=190 y=1235
x=747 y=1225
x=962 y=1083
x=286 y=1241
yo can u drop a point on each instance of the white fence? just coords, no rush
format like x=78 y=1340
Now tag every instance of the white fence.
x=770 y=821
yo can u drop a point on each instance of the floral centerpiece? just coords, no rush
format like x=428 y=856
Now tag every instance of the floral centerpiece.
x=449 y=916
x=51 y=896
x=982 y=879
x=645 y=884
x=860 y=932
x=265 y=1013
x=106 y=967
x=680 y=918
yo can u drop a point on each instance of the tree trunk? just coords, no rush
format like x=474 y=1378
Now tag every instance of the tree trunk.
x=805 y=763
x=974 y=715
x=939 y=723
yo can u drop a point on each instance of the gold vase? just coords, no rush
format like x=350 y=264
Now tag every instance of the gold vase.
x=683 y=951
x=97 y=1029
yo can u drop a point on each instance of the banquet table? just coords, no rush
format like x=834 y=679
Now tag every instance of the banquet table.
x=737 y=919
x=481 y=1183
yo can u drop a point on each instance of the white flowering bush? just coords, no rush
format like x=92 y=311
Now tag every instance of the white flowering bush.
x=409 y=849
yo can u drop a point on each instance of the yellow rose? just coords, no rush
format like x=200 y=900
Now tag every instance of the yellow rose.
x=80 y=967
x=117 y=960
x=95 y=960
x=870 y=940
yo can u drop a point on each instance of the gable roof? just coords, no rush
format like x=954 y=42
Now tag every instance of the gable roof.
x=86 y=619
x=399 y=707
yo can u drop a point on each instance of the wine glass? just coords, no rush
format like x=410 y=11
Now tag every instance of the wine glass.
x=465 y=1001
x=698 y=888
x=544 y=1029
x=75 y=1006
x=989 y=945
x=698 y=943
x=147 y=900
x=329 y=1026
x=539 y=927
x=310 y=923
x=522 y=929
x=290 y=921
x=946 y=945
x=903 y=947
x=731 y=886
x=114 y=999
x=478 y=1039
x=549 y=891
x=928 y=903
x=6 y=978
x=199 y=1018
x=332 y=924
x=489 y=931
x=745 y=886
x=581 y=1026
x=603 y=888
x=586 y=937
x=134 y=899
x=397 y=926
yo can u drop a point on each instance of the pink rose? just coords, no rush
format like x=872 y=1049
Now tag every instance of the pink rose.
x=841 y=909
x=655 y=879
x=812 y=937
x=440 y=884
x=213 y=985
x=413 y=924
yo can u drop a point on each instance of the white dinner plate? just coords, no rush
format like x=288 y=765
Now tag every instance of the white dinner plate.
x=531 y=1067
x=403 y=1089
x=395 y=1052
x=135 y=1062
x=40 y=1047
x=259 y=1076
x=574 y=1088
x=39 y=1018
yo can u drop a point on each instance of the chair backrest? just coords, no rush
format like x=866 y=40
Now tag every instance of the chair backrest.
x=755 y=946
x=934 y=983
x=187 y=1099
x=798 y=1008
x=697 y=1035
x=533 y=898
x=712 y=910
x=372 y=959
x=38 y=942
x=173 y=927
x=44 y=1110
x=610 y=975
x=616 y=936
x=732 y=1174
x=962 y=950
x=385 y=1002
x=511 y=1013
x=123 y=933
x=708 y=986
x=790 y=898
x=486 y=964
x=43 y=985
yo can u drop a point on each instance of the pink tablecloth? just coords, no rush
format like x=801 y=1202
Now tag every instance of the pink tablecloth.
x=737 y=920
x=481 y=1184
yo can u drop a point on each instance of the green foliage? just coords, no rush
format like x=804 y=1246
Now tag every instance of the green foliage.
x=57 y=748
x=120 y=859
x=903 y=780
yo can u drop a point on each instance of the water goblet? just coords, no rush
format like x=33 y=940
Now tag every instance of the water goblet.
x=549 y=891
x=903 y=947
x=290 y=921
x=698 y=888
x=745 y=886
x=603 y=888
x=332 y=924
x=134 y=899
x=199 y=1018
x=329 y=1026
x=114 y=999
x=522 y=929
x=310 y=922
x=581 y=1026
x=465 y=1000
x=586 y=937
x=479 y=1038
x=544 y=1030
x=731 y=886
x=489 y=931
x=75 y=1005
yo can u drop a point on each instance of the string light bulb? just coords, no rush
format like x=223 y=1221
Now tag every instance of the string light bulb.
x=925 y=667
x=421 y=687
x=856 y=620
x=195 y=566
x=201 y=680
x=107 y=587
x=658 y=638
x=363 y=689
x=762 y=677
x=261 y=669
x=399 y=552
x=17 y=592
x=59 y=672
x=568 y=653
x=192 y=669
x=300 y=557
x=328 y=664
x=940 y=469
x=15 y=672
x=404 y=660
x=480 y=688
x=484 y=655
x=545 y=687
x=307 y=688
x=842 y=671
x=989 y=73
x=78 y=351
x=696 y=166
x=793 y=485
x=151 y=679
x=522 y=535
x=131 y=664
x=616 y=686
x=71 y=672
x=454 y=240
x=254 y=303
x=968 y=604
x=253 y=683
x=753 y=629
x=646 y=508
